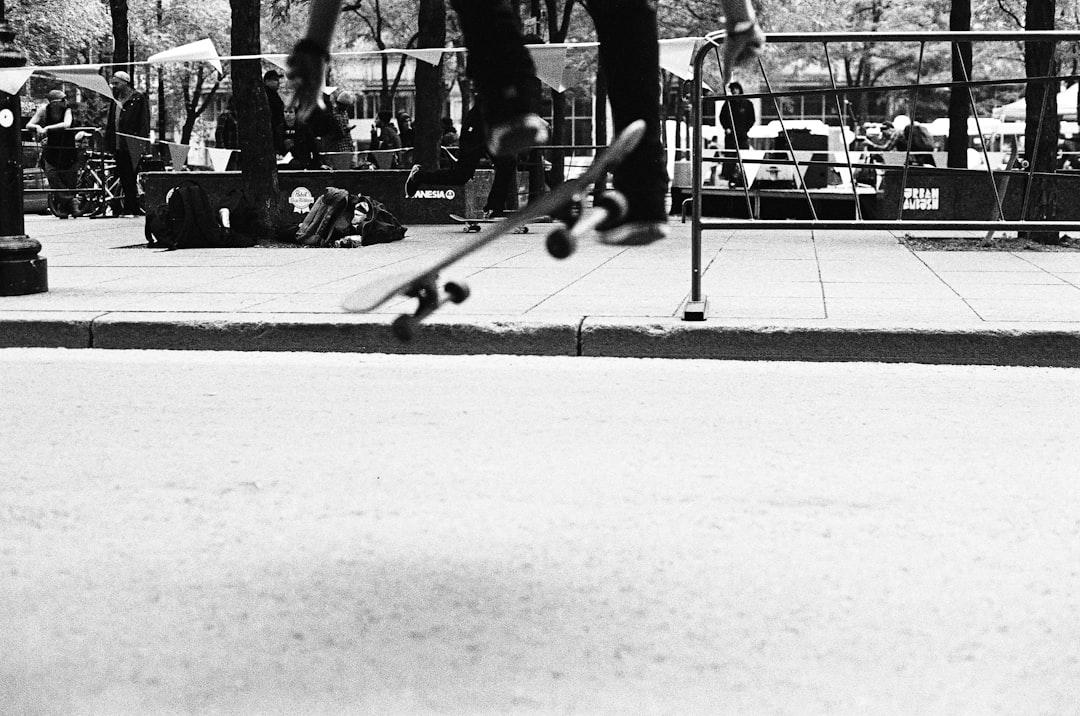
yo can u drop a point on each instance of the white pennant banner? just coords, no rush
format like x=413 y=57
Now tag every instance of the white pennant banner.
x=281 y=60
x=88 y=79
x=12 y=79
x=550 y=65
x=201 y=51
x=431 y=56
x=676 y=56
x=219 y=158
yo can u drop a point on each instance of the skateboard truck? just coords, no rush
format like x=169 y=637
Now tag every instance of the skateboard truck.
x=429 y=296
x=608 y=211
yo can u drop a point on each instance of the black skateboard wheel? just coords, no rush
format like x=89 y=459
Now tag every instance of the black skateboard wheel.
x=404 y=328
x=456 y=291
x=560 y=244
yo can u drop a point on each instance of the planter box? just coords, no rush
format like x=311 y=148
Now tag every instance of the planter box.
x=433 y=205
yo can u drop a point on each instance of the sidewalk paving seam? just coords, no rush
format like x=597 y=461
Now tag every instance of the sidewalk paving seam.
x=945 y=283
x=820 y=278
x=1044 y=270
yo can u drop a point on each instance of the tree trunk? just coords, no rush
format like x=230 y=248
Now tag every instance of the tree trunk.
x=429 y=88
x=1039 y=61
x=118 y=9
x=257 y=161
x=959 y=101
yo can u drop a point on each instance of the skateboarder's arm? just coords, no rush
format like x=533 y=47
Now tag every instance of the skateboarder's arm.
x=307 y=63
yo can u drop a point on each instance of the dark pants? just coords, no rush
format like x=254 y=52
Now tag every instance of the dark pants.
x=630 y=56
x=731 y=169
x=125 y=170
x=61 y=178
x=471 y=151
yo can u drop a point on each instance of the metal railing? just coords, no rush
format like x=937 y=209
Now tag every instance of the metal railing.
x=695 y=308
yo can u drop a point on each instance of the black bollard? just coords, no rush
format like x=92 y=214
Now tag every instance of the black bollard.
x=22 y=271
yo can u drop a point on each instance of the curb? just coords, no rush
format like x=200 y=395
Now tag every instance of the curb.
x=41 y=329
x=1056 y=345
x=1050 y=345
x=329 y=333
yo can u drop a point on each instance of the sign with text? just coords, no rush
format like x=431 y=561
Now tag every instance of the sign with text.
x=922 y=198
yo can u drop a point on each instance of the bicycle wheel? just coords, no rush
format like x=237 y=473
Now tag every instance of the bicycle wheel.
x=88 y=197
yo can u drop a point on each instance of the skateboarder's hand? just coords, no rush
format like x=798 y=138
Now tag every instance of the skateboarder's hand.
x=743 y=43
x=307 y=68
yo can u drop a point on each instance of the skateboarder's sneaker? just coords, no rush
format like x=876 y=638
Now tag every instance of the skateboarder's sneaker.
x=411 y=185
x=635 y=233
x=517 y=134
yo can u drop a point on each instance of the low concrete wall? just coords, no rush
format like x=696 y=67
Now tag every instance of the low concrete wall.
x=433 y=205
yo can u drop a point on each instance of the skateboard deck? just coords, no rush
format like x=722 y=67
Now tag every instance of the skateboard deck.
x=472 y=226
x=423 y=284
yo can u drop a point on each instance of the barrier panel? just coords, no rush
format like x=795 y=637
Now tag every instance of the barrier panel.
x=838 y=180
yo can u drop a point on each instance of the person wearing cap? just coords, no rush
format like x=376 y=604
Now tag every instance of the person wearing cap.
x=131 y=120
x=339 y=147
x=271 y=83
x=58 y=156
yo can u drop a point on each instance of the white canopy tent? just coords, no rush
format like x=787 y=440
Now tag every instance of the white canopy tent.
x=1066 y=106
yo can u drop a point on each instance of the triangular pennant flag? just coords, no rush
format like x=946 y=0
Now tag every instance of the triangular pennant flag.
x=13 y=78
x=431 y=56
x=281 y=60
x=178 y=153
x=219 y=158
x=550 y=64
x=136 y=146
x=573 y=77
x=200 y=51
x=89 y=78
x=675 y=56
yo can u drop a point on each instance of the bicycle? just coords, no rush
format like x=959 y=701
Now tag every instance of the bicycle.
x=97 y=185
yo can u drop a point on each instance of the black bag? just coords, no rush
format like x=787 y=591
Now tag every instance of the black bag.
x=329 y=219
x=186 y=220
x=239 y=219
x=376 y=225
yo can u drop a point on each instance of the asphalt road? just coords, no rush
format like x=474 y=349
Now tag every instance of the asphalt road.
x=302 y=533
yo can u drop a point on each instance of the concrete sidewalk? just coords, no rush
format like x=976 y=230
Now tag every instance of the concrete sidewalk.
x=795 y=295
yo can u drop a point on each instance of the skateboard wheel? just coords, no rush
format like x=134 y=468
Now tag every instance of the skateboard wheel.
x=457 y=292
x=560 y=243
x=404 y=328
x=473 y=228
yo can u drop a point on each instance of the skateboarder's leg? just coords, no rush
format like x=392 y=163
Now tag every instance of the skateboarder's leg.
x=471 y=149
x=503 y=186
x=503 y=73
x=630 y=55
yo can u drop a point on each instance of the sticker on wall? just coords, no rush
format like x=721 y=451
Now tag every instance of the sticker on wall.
x=301 y=199
x=447 y=194
x=922 y=198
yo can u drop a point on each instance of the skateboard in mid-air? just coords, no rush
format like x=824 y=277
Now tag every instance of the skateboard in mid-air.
x=608 y=211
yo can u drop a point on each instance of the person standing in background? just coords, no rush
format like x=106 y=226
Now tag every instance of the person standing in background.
x=271 y=83
x=53 y=123
x=737 y=116
x=130 y=120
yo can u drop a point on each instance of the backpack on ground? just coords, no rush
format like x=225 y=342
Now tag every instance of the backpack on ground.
x=186 y=220
x=375 y=225
x=330 y=218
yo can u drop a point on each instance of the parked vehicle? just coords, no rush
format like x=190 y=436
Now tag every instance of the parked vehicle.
x=34 y=202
